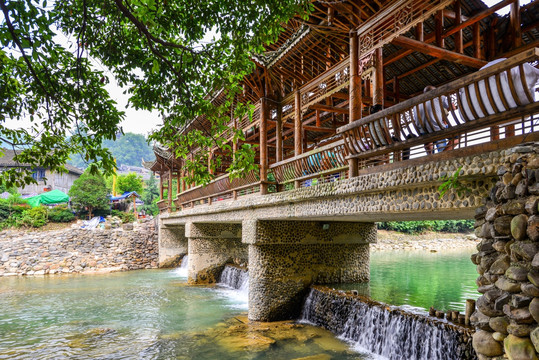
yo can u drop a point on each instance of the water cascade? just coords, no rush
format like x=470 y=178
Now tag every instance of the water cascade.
x=182 y=269
x=393 y=333
x=235 y=278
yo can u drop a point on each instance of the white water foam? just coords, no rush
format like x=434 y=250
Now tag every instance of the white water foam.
x=181 y=271
x=234 y=285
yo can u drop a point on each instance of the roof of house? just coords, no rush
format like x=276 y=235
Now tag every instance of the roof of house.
x=8 y=160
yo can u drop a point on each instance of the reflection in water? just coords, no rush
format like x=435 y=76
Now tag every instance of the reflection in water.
x=420 y=279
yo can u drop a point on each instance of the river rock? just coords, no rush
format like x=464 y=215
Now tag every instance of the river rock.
x=487 y=307
x=507 y=285
x=514 y=207
x=533 y=228
x=524 y=250
x=519 y=225
x=500 y=266
x=516 y=273
x=534 y=308
x=520 y=330
x=498 y=336
x=521 y=316
x=499 y=324
x=531 y=205
x=534 y=337
x=502 y=225
x=480 y=321
x=484 y=343
x=499 y=245
x=517 y=348
x=529 y=289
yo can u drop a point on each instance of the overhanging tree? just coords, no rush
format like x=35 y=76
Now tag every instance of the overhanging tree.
x=155 y=50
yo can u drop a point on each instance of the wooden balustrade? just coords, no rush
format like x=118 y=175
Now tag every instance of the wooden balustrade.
x=326 y=84
x=495 y=96
x=221 y=188
x=163 y=206
x=325 y=162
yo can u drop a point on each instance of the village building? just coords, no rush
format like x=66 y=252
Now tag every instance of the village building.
x=46 y=179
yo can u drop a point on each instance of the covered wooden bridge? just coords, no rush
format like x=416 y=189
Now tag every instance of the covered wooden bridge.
x=343 y=92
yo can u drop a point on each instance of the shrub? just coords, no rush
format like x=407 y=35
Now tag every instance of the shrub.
x=35 y=217
x=416 y=227
x=5 y=210
x=128 y=217
x=61 y=214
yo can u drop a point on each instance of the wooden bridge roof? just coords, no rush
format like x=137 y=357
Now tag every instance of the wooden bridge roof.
x=306 y=49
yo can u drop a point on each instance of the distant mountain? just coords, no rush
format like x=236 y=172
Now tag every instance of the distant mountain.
x=128 y=149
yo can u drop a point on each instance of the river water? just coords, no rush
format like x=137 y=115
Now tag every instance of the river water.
x=152 y=314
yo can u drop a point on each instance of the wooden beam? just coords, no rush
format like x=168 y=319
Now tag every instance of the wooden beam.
x=439 y=28
x=328 y=108
x=438 y=52
x=478 y=17
x=318 y=129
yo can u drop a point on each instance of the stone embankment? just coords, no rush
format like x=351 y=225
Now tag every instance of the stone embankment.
x=76 y=250
x=507 y=316
x=434 y=242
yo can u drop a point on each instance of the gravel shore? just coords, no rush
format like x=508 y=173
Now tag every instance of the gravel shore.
x=430 y=241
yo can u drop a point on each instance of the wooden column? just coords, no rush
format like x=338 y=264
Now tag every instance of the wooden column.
x=477 y=40
x=439 y=29
x=378 y=96
x=169 y=190
x=161 y=186
x=182 y=181
x=516 y=30
x=178 y=182
x=419 y=33
x=298 y=136
x=279 y=134
x=263 y=146
x=355 y=93
x=458 y=20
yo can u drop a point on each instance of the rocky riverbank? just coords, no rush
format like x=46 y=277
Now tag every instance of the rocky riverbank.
x=75 y=250
x=430 y=241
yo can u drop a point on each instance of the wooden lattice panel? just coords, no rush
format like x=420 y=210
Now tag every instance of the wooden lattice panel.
x=393 y=20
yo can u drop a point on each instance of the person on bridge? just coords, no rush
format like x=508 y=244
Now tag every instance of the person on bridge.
x=426 y=122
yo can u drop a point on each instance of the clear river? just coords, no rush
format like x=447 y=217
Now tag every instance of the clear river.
x=152 y=314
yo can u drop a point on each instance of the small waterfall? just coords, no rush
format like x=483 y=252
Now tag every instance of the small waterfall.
x=236 y=282
x=181 y=271
x=235 y=278
x=390 y=332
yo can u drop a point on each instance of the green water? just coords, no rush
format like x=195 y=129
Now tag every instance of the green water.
x=148 y=314
x=421 y=279
x=152 y=314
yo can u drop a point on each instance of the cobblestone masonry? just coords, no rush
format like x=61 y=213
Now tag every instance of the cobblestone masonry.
x=507 y=314
x=286 y=257
x=77 y=251
x=211 y=246
x=172 y=245
x=409 y=193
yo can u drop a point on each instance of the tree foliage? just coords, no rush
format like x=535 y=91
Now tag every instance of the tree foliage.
x=128 y=183
x=155 y=49
x=150 y=196
x=90 y=191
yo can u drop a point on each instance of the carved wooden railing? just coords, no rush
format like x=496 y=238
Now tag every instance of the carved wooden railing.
x=221 y=188
x=326 y=84
x=505 y=107
x=163 y=206
x=325 y=163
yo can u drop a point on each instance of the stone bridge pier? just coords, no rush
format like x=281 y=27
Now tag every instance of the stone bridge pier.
x=172 y=245
x=211 y=246
x=286 y=257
